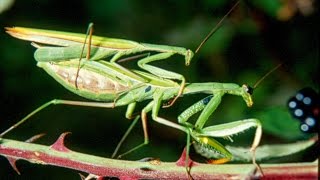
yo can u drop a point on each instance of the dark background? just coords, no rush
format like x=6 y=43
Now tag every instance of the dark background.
x=255 y=38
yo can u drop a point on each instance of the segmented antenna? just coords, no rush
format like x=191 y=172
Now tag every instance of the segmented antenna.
x=266 y=75
x=213 y=30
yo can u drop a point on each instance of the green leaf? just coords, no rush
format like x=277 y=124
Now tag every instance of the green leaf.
x=269 y=151
x=278 y=122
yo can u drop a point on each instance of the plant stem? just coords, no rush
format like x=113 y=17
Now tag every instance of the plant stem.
x=59 y=155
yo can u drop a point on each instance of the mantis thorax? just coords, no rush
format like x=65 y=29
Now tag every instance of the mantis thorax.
x=244 y=91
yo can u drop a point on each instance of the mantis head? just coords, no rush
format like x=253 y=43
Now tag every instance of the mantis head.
x=246 y=94
x=247 y=91
x=188 y=56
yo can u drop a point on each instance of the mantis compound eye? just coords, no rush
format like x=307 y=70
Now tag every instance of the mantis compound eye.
x=248 y=89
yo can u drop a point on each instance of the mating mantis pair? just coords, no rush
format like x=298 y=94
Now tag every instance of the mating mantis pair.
x=105 y=81
x=100 y=80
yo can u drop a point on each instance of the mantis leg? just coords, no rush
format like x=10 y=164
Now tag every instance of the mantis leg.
x=54 y=102
x=153 y=106
x=144 y=126
x=207 y=105
x=130 y=110
x=89 y=33
x=209 y=109
x=171 y=124
x=233 y=128
x=134 y=122
x=156 y=107
x=143 y=63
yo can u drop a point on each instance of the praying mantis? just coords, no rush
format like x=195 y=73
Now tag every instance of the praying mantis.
x=111 y=83
x=125 y=87
x=100 y=80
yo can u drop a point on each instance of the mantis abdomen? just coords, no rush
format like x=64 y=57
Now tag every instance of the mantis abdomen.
x=93 y=83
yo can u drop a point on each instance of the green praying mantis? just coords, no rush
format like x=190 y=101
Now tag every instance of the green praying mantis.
x=115 y=85
x=70 y=46
x=90 y=75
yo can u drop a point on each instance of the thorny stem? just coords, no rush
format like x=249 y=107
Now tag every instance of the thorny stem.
x=59 y=155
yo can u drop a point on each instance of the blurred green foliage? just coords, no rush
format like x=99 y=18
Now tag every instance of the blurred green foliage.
x=256 y=37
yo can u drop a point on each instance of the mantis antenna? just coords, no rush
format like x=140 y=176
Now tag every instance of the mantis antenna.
x=250 y=89
x=215 y=28
x=266 y=75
